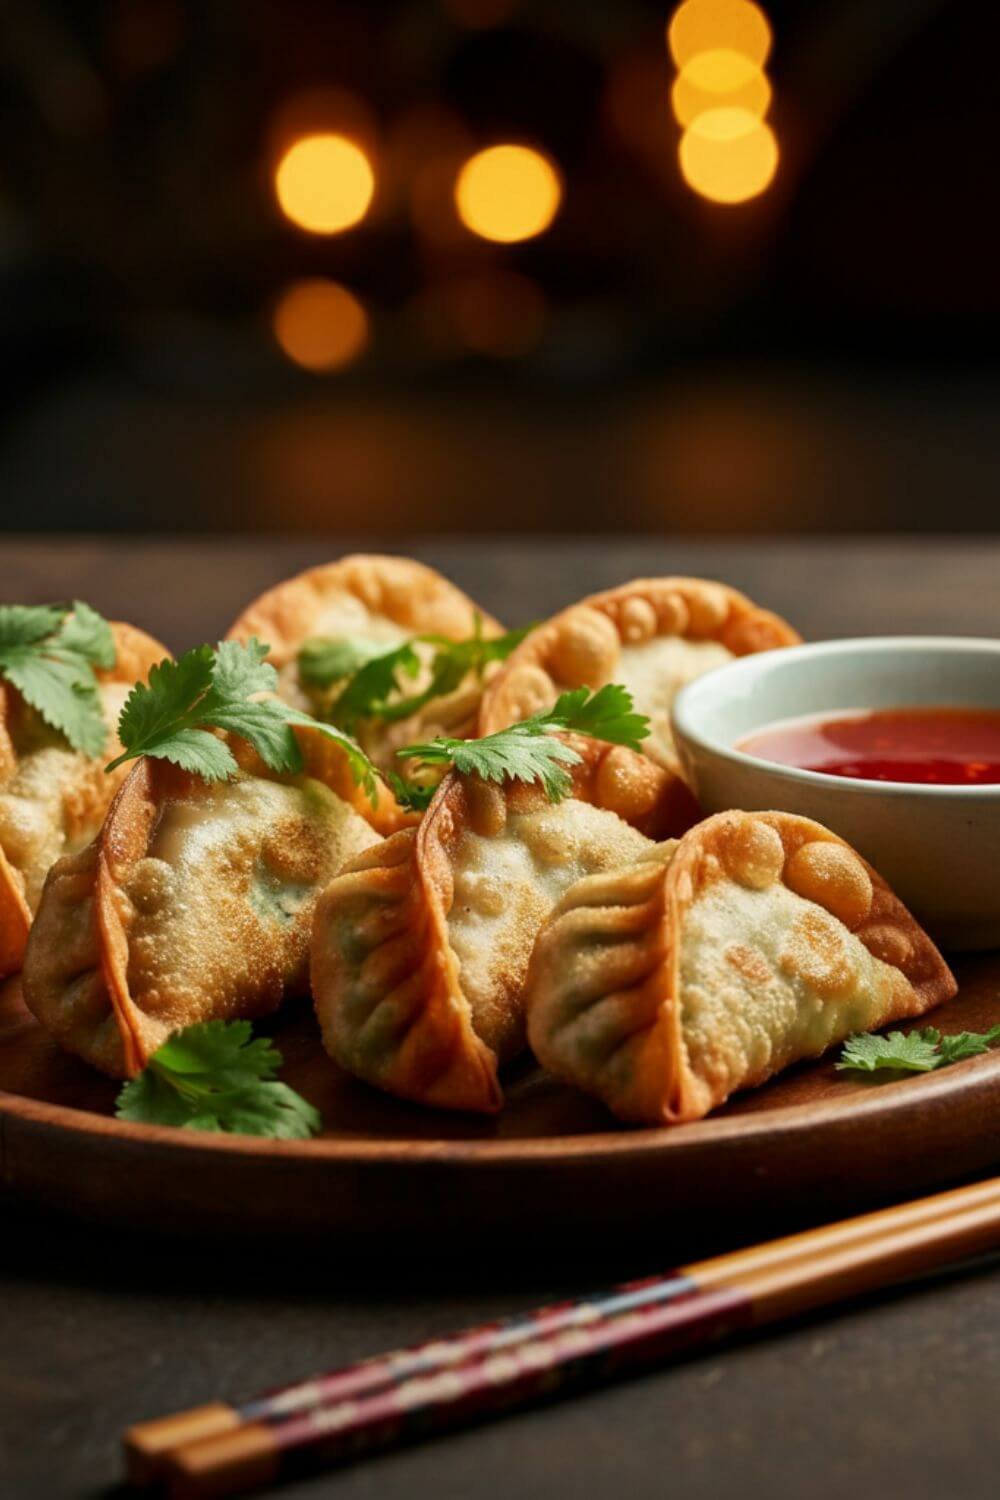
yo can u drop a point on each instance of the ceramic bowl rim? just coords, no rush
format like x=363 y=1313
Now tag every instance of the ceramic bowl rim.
x=694 y=695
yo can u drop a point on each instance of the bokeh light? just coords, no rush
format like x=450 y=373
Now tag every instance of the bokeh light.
x=324 y=183
x=707 y=25
x=320 y=325
x=719 y=77
x=508 y=193
x=728 y=155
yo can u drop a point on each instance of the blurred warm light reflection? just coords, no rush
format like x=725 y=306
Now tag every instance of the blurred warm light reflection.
x=320 y=325
x=508 y=193
x=728 y=155
x=721 y=95
x=719 y=77
x=704 y=25
x=324 y=183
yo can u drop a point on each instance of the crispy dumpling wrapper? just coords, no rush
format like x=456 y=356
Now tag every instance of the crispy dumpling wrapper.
x=194 y=903
x=760 y=939
x=420 y=946
x=383 y=601
x=53 y=798
x=651 y=635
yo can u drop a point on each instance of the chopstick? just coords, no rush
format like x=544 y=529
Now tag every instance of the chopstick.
x=221 y=1450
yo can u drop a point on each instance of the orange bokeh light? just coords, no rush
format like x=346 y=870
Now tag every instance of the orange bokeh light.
x=728 y=155
x=707 y=25
x=720 y=77
x=320 y=325
x=508 y=193
x=324 y=183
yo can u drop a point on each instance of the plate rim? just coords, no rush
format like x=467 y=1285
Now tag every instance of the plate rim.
x=641 y=1142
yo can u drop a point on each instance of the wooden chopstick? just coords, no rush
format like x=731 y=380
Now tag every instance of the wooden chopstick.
x=221 y=1450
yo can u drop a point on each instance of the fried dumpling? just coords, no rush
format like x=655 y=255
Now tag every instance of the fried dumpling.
x=420 y=946
x=758 y=940
x=652 y=635
x=194 y=903
x=52 y=797
x=379 y=602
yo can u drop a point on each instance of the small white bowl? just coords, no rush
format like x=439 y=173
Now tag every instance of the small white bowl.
x=937 y=846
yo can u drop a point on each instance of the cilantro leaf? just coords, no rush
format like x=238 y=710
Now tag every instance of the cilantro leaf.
x=911 y=1053
x=212 y=1076
x=24 y=624
x=528 y=752
x=453 y=662
x=159 y=717
x=965 y=1044
x=373 y=683
x=915 y=1052
x=48 y=653
x=86 y=633
x=374 y=671
x=172 y=717
x=605 y=715
x=325 y=660
x=520 y=753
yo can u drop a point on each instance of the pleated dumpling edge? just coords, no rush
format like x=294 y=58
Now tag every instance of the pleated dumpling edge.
x=762 y=940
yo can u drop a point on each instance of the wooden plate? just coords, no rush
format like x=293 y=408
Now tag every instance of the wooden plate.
x=552 y=1163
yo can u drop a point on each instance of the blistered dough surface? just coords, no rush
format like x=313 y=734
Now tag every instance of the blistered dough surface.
x=221 y=906
x=505 y=885
x=766 y=978
x=54 y=802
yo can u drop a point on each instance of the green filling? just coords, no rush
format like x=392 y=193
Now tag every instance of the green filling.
x=277 y=900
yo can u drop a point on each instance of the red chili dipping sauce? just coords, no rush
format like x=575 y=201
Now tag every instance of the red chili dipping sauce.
x=948 y=746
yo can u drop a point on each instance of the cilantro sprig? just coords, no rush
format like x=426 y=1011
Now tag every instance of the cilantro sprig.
x=528 y=751
x=173 y=715
x=367 y=692
x=373 y=675
x=212 y=1076
x=914 y=1051
x=48 y=652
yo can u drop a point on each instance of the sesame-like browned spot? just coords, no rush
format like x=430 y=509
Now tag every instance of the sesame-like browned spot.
x=626 y=783
x=752 y=852
x=890 y=944
x=528 y=689
x=637 y=620
x=586 y=648
x=748 y=962
x=816 y=952
x=708 y=608
x=834 y=877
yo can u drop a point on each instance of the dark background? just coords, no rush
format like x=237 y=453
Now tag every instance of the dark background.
x=821 y=358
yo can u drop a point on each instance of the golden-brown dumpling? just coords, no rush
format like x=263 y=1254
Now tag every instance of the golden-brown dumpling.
x=194 y=903
x=52 y=797
x=651 y=635
x=383 y=601
x=758 y=940
x=420 y=946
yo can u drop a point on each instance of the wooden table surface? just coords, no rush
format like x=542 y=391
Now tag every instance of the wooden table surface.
x=896 y=1397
